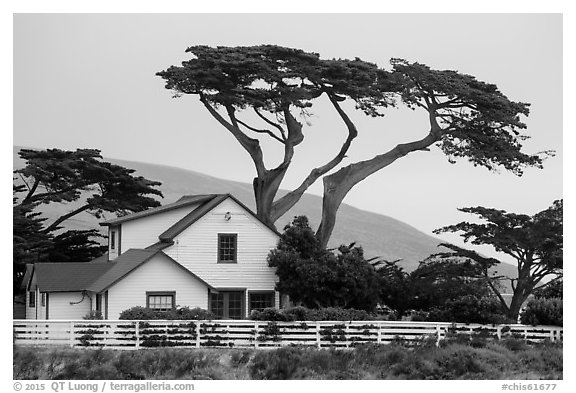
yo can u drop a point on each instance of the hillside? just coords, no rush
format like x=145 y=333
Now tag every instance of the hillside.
x=379 y=235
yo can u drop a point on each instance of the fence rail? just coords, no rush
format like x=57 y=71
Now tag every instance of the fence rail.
x=256 y=334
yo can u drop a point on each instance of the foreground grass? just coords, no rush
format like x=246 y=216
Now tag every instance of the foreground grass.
x=494 y=360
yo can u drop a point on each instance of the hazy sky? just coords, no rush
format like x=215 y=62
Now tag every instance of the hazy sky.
x=87 y=80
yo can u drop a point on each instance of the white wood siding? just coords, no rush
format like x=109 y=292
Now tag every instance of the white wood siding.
x=143 y=232
x=157 y=274
x=60 y=307
x=197 y=249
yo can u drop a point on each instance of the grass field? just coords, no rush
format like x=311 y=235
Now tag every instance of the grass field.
x=508 y=359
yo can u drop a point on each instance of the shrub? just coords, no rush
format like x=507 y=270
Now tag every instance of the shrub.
x=184 y=313
x=305 y=314
x=315 y=276
x=139 y=313
x=278 y=364
x=196 y=313
x=469 y=309
x=543 y=312
x=269 y=314
x=339 y=314
x=93 y=315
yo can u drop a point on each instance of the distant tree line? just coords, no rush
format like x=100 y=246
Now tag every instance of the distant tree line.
x=454 y=285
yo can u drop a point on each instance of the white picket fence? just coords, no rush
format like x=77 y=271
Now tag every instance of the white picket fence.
x=256 y=334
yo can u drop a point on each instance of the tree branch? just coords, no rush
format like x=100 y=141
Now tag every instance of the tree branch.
x=263 y=131
x=284 y=204
x=251 y=145
x=278 y=126
x=38 y=197
x=63 y=218
x=31 y=191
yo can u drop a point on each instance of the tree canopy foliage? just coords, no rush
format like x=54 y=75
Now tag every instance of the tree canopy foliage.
x=80 y=180
x=270 y=91
x=535 y=242
x=264 y=91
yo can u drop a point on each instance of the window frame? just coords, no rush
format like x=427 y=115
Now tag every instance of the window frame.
x=161 y=293
x=269 y=293
x=113 y=239
x=99 y=302
x=233 y=236
x=31 y=299
x=226 y=302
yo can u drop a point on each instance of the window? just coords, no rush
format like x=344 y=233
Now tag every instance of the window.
x=227 y=249
x=43 y=299
x=161 y=301
x=261 y=300
x=112 y=240
x=31 y=299
x=227 y=305
x=98 y=302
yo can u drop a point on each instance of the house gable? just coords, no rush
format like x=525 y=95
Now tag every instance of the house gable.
x=127 y=263
x=197 y=247
x=159 y=274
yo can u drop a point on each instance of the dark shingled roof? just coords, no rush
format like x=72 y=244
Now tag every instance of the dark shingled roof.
x=125 y=264
x=68 y=276
x=121 y=266
x=184 y=201
x=169 y=234
x=96 y=277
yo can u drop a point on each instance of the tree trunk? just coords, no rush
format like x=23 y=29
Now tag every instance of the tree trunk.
x=338 y=184
x=521 y=293
x=265 y=189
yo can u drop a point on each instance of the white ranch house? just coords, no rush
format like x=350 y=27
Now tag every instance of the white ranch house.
x=206 y=251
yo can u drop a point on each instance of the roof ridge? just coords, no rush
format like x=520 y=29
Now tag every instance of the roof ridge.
x=190 y=218
x=182 y=202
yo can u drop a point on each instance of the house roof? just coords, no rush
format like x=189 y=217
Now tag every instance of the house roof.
x=186 y=200
x=95 y=276
x=125 y=264
x=168 y=235
x=207 y=202
x=68 y=276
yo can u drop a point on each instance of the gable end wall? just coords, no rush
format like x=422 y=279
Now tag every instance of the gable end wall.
x=197 y=249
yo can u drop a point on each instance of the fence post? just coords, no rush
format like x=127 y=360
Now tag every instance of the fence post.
x=438 y=335
x=71 y=334
x=197 y=334
x=379 y=339
x=318 y=342
x=137 y=333
x=255 y=334
x=499 y=332
x=228 y=334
